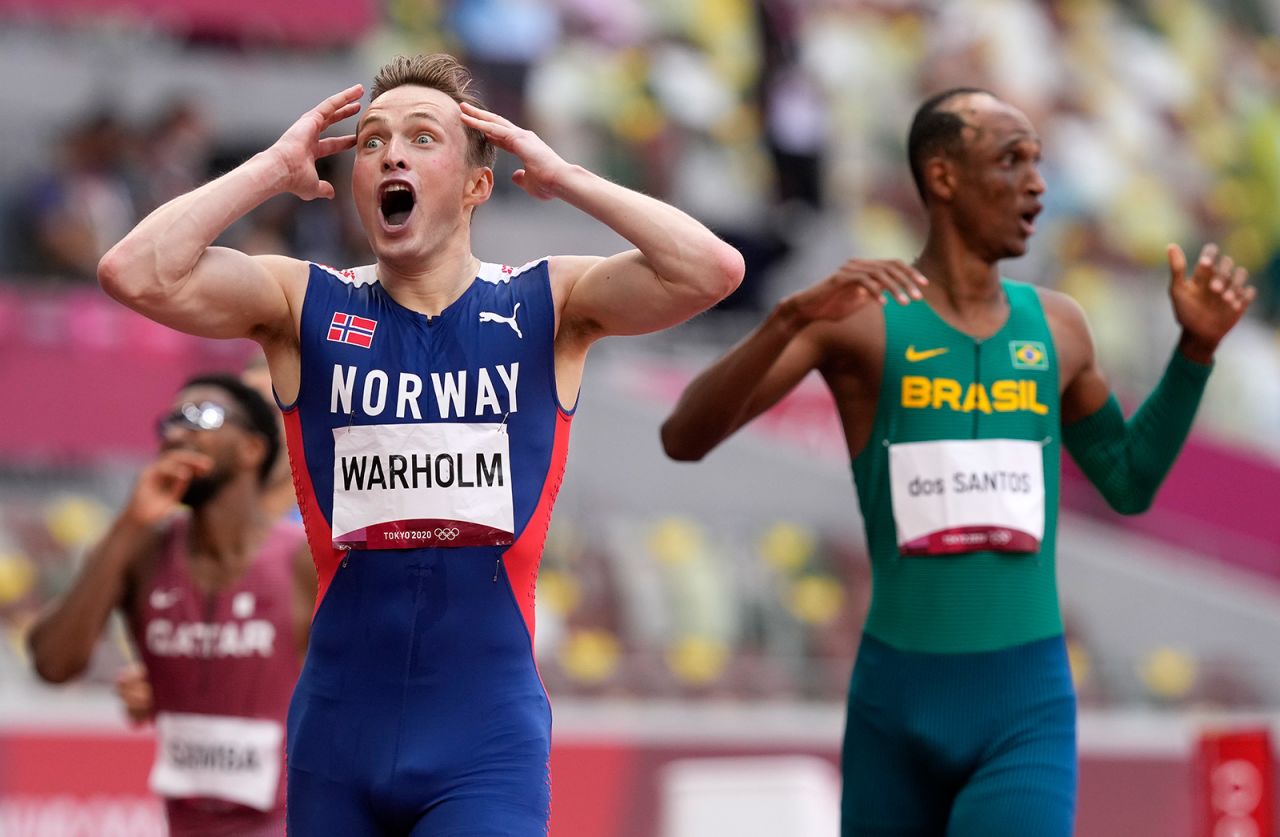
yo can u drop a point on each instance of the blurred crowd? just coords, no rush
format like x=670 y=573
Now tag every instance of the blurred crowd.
x=782 y=124
x=105 y=175
x=774 y=120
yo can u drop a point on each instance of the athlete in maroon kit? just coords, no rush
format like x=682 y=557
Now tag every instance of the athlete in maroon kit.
x=218 y=601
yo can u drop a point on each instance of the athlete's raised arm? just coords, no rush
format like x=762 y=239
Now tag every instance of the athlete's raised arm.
x=678 y=269
x=1128 y=460
x=63 y=638
x=166 y=269
x=793 y=340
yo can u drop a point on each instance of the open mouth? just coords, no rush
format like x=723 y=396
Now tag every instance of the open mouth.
x=396 y=204
x=1029 y=221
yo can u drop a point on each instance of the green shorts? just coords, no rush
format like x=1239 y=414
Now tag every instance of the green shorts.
x=963 y=745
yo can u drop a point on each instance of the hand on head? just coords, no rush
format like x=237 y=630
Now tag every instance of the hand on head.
x=542 y=166
x=299 y=147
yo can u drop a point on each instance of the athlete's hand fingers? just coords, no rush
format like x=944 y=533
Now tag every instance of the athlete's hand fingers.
x=1221 y=280
x=500 y=135
x=135 y=693
x=1204 y=272
x=1237 y=294
x=857 y=277
x=175 y=470
x=871 y=286
x=339 y=102
x=1177 y=264
x=333 y=145
x=346 y=112
x=895 y=278
x=486 y=115
x=187 y=461
x=890 y=282
x=907 y=277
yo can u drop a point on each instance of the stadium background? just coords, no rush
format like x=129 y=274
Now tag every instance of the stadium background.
x=686 y=613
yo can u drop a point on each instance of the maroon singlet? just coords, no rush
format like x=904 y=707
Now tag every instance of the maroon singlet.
x=222 y=668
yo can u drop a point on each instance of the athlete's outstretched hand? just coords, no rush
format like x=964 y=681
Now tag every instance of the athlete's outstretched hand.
x=854 y=284
x=299 y=147
x=1210 y=302
x=134 y=690
x=162 y=484
x=543 y=168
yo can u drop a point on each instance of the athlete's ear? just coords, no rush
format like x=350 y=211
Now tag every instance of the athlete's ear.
x=940 y=178
x=253 y=449
x=479 y=187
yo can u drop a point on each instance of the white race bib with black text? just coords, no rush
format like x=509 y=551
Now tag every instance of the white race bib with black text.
x=217 y=757
x=967 y=495
x=398 y=486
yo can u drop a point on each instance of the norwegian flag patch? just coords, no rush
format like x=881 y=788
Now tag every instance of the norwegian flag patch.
x=348 y=328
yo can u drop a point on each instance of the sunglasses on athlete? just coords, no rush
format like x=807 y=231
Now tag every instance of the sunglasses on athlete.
x=203 y=416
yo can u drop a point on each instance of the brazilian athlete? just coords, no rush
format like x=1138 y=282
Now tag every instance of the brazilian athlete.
x=954 y=404
x=427 y=401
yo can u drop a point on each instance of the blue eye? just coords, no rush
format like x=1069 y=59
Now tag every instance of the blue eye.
x=372 y=142
x=424 y=139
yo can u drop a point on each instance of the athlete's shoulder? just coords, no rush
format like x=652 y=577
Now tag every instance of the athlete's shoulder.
x=1065 y=317
x=503 y=274
x=356 y=277
x=1060 y=306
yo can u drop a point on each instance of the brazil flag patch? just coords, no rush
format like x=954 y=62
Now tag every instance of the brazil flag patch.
x=1028 y=354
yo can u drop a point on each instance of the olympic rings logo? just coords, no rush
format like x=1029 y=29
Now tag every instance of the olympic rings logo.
x=449 y=534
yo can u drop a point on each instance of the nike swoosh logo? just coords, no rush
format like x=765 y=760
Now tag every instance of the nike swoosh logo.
x=162 y=600
x=915 y=357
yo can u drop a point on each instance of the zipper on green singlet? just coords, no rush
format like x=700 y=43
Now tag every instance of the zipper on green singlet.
x=977 y=377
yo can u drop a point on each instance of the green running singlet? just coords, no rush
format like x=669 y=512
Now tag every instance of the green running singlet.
x=941 y=384
x=961 y=714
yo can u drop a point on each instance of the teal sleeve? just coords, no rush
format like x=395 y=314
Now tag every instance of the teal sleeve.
x=1127 y=460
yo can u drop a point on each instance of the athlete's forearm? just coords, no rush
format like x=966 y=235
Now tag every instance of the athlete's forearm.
x=715 y=403
x=63 y=638
x=681 y=251
x=1128 y=460
x=163 y=249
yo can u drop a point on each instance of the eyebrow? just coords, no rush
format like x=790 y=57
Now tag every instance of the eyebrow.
x=1014 y=142
x=417 y=114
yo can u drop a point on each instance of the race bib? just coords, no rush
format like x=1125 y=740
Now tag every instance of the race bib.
x=398 y=486
x=217 y=757
x=979 y=495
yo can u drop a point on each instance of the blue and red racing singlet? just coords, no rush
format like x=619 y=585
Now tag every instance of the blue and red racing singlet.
x=427 y=453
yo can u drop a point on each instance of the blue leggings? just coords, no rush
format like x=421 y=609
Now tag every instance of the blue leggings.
x=374 y=771
x=962 y=745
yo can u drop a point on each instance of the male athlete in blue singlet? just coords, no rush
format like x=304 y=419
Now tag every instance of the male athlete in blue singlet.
x=427 y=403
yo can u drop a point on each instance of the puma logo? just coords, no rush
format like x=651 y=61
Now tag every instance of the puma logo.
x=490 y=317
x=914 y=356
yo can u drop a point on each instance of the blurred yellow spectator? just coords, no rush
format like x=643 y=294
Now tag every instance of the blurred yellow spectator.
x=697 y=660
x=590 y=656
